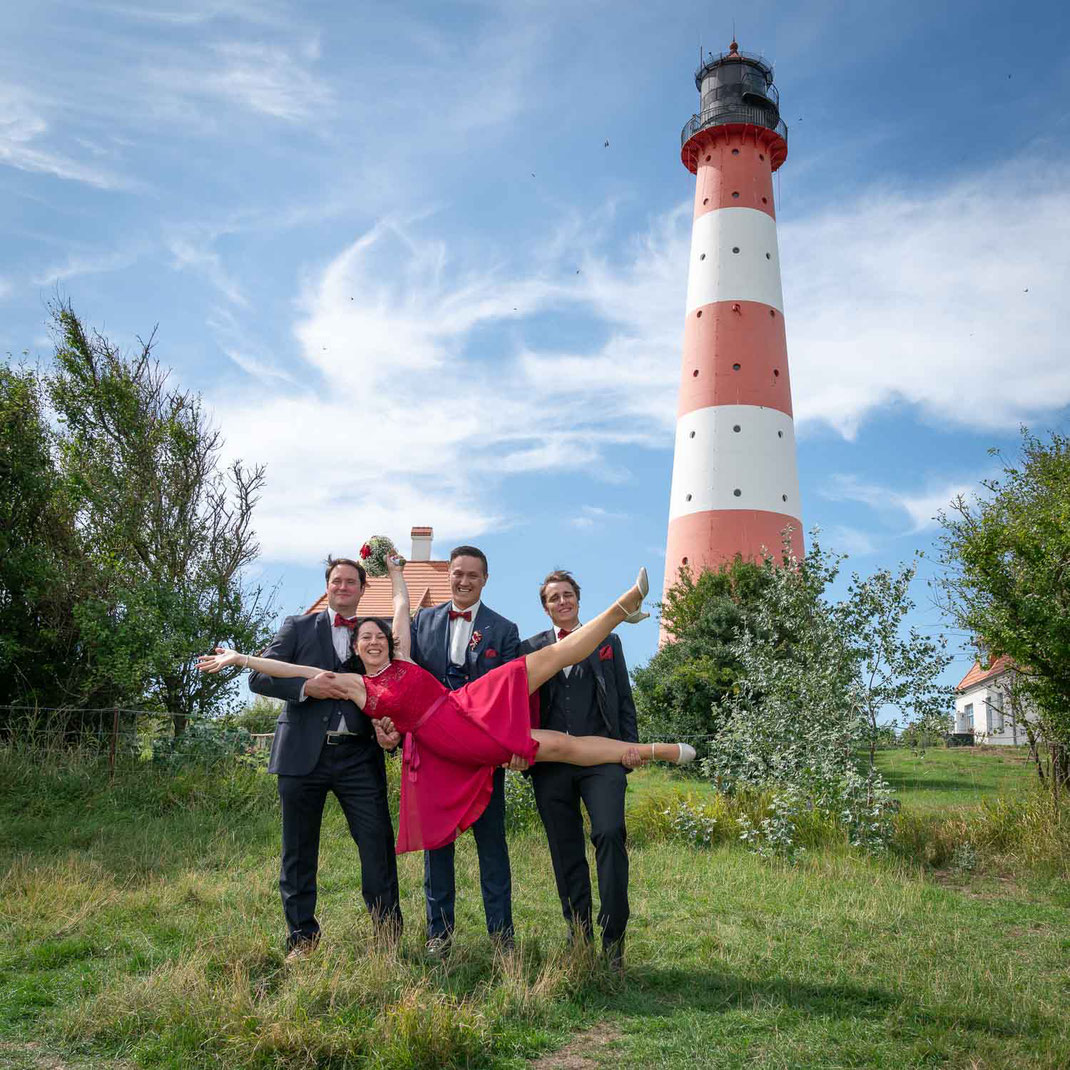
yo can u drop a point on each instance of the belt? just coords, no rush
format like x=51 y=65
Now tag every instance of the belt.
x=410 y=755
x=336 y=739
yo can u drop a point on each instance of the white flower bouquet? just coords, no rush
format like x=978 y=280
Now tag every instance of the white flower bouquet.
x=375 y=551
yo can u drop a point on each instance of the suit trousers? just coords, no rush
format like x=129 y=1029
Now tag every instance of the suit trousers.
x=355 y=772
x=559 y=789
x=495 y=879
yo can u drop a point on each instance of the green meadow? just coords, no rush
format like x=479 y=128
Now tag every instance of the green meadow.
x=141 y=927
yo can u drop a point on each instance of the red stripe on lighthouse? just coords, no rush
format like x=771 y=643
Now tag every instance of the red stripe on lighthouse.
x=755 y=371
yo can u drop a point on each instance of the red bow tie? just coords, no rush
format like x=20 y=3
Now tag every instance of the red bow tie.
x=345 y=622
x=562 y=632
x=460 y=614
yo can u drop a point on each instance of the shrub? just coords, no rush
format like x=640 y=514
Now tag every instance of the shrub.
x=203 y=742
x=520 y=809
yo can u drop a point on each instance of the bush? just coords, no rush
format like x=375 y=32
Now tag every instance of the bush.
x=203 y=743
x=521 y=811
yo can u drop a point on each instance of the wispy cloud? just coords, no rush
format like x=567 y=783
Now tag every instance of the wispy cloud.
x=191 y=253
x=87 y=263
x=921 y=507
x=593 y=516
x=24 y=134
x=271 y=79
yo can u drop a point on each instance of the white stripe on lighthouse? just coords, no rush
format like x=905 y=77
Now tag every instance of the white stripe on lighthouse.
x=713 y=461
x=719 y=274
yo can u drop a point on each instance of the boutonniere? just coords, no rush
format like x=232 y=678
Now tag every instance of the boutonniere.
x=605 y=653
x=477 y=638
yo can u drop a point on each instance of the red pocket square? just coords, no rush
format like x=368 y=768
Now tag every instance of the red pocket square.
x=605 y=653
x=490 y=652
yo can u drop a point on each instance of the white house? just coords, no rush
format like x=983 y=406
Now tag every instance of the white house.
x=989 y=703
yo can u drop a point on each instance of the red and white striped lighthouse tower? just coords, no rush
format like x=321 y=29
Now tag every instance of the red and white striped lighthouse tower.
x=735 y=487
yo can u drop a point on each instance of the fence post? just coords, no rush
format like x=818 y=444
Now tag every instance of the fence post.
x=114 y=743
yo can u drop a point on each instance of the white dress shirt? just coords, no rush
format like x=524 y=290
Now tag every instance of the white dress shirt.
x=461 y=633
x=568 y=668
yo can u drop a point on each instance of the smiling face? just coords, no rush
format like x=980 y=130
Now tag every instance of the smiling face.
x=467 y=580
x=344 y=590
x=372 y=646
x=561 y=603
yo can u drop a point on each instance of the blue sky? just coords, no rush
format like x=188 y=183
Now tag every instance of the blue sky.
x=389 y=245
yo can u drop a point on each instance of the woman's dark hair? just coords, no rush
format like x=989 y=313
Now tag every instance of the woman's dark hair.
x=385 y=627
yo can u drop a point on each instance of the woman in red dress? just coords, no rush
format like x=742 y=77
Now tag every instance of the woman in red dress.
x=453 y=740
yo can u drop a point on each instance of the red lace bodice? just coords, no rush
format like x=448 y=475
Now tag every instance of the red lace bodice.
x=403 y=692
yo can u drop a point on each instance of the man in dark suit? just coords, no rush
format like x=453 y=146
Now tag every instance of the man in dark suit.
x=457 y=642
x=324 y=743
x=593 y=698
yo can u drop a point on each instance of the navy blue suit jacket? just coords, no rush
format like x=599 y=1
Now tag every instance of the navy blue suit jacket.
x=499 y=641
x=612 y=686
x=302 y=726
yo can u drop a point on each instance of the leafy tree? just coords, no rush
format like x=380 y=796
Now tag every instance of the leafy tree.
x=39 y=553
x=124 y=539
x=813 y=677
x=166 y=528
x=1007 y=580
x=679 y=692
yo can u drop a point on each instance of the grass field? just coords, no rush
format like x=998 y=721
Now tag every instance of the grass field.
x=141 y=927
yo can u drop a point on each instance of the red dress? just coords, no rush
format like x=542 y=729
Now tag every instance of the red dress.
x=454 y=740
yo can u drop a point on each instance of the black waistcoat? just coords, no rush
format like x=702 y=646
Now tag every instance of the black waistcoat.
x=573 y=705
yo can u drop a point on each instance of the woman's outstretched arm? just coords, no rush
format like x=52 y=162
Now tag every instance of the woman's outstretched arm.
x=402 y=610
x=223 y=658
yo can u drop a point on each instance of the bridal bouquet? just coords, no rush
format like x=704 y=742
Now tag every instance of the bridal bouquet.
x=373 y=555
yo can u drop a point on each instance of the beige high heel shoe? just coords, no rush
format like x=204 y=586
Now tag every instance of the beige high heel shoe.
x=643 y=584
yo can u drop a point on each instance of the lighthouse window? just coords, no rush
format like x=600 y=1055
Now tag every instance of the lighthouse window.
x=736 y=427
x=768 y=257
x=772 y=312
x=735 y=194
x=683 y=561
x=780 y=434
x=735 y=248
x=776 y=372
x=735 y=152
x=760 y=156
x=707 y=159
x=695 y=373
x=783 y=497
x=698 y=315
x=765 y=200
x=705 y=200
x=688 y=498
x=702 y=256
x=735 y=368
x=737 y=492
x=692 y=435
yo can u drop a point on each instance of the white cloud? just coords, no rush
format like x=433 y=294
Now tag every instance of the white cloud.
x=23 y=144
x=430 y=394
x=86 y=263
x=920 y=507
x=951 y=299
x=594 y=516
x=189 y=252
x=269 y=79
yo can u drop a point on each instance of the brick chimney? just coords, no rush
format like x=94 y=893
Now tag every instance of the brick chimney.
x=421 y=544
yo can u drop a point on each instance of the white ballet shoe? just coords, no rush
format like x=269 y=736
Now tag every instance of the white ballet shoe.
x=643 y=584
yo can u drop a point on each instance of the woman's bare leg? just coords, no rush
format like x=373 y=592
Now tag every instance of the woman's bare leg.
x=544 y=663
x=599 y=750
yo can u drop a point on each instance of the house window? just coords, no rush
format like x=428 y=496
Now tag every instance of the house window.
x=967 y=717
x=995 y=710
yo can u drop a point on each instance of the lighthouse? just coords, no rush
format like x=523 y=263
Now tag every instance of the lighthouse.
x=735 y=486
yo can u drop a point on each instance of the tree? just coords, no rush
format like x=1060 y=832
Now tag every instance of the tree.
x=679 y=692
x=169 y=528
x=1007 y=580
x=129 y=520
x=40 y=558
x=814 y=675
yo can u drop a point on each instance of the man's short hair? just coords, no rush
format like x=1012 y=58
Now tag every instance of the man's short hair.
x=559 y=575
x=470 y=551
x=333 y=562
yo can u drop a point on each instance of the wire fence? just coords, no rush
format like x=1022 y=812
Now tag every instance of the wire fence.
x=118 y=733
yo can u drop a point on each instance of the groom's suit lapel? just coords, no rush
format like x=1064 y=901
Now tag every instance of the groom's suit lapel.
x=480 y=625
x=325 y=639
